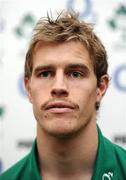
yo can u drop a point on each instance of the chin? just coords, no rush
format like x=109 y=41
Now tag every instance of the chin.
x=62 y=128
x=63 y=133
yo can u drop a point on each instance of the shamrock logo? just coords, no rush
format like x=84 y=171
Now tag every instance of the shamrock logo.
x=118 y=22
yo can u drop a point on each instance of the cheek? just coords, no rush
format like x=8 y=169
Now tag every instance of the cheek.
x=85 y=94
x=39 y=94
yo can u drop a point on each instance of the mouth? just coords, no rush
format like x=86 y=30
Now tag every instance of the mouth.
x=59 y=107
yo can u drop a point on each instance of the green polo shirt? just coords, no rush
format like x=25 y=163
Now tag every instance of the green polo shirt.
x=110 y=163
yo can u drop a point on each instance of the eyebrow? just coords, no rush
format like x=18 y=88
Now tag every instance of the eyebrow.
x=81 y=67
x=78 y=66
x=43 y=67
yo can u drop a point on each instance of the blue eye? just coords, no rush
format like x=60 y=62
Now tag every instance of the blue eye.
x=45 y=73
x=76 y=74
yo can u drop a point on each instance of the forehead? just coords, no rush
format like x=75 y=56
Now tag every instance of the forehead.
x=61 y=54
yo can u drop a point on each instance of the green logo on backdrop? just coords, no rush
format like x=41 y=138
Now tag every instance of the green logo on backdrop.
x=26 y=24
x=2 y=111
x=118 y=23
x=23 y=32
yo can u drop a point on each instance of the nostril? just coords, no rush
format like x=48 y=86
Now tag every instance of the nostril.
x=59 y=92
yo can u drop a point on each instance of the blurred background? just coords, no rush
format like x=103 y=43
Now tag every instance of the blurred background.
x=17 y=19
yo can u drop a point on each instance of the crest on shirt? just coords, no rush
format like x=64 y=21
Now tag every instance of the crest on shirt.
x=107 y=176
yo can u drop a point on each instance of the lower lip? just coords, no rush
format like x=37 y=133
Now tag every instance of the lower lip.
x=60 y=110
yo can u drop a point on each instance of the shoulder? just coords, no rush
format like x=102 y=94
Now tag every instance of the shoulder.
x=119 y=151
x=25 y=169
x=16 y=170
x=119 y=155
x=110 y=160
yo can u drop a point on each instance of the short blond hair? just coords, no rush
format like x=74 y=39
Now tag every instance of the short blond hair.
x=66 y=27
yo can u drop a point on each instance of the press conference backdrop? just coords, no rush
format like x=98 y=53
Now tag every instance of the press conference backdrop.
x=17 y=19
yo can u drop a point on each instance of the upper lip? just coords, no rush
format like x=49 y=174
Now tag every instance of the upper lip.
x=59 y=104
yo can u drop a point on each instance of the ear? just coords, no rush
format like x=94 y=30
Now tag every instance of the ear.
x=102 y=87
x=28 y=89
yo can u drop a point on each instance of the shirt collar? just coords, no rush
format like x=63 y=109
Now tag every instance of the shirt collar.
x=105 y=166
x=34 y=162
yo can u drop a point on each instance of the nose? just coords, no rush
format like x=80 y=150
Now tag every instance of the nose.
x=59 y=87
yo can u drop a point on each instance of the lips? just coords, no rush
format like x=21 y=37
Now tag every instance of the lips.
x=59 y=107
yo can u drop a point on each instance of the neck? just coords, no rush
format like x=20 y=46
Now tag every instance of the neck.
x=68 y=156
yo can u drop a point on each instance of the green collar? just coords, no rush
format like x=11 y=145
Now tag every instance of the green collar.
x=105 y=164
x=34 y=162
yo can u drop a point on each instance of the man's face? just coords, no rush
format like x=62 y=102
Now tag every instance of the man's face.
x=63 y=88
